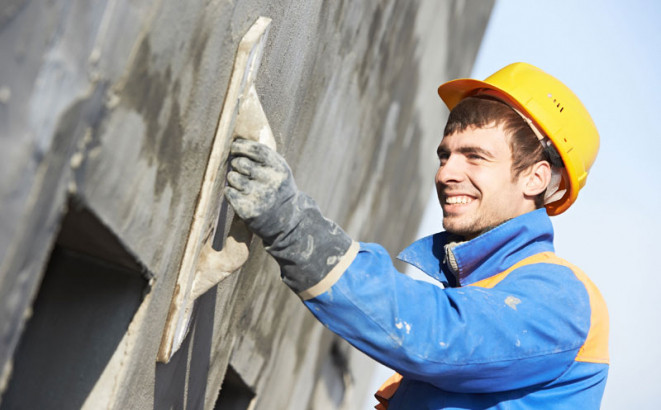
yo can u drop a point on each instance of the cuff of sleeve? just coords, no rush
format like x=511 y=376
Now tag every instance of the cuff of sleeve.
x=334 y=275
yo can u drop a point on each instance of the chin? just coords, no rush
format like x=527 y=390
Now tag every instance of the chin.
x=467 y=229
x=456 y=228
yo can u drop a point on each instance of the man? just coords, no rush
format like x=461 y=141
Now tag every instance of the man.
x=514 y=326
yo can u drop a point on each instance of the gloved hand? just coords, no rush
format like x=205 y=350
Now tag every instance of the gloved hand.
x=262 y=191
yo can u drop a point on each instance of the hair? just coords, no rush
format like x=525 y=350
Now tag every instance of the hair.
x=485 y=111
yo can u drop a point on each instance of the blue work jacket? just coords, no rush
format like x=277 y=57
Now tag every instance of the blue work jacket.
x=515 y=327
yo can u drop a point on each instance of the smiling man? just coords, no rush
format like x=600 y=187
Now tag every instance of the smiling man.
x=510 y=324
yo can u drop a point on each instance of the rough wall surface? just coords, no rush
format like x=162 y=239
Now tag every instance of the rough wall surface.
x=107 y=115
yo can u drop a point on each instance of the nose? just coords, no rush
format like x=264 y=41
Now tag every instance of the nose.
x=450 y=171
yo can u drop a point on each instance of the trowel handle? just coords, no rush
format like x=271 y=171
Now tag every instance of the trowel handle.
x=214 y=266
x=251 y=123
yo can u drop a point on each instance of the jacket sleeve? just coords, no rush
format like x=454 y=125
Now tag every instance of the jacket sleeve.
x=525 y=331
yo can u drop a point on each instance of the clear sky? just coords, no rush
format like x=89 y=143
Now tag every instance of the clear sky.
x=609 y=53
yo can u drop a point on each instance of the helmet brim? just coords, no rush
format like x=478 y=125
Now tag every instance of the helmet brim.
x=454 y=91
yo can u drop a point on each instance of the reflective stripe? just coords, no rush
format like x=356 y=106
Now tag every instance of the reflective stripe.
x=595 y=347
x=333 y=276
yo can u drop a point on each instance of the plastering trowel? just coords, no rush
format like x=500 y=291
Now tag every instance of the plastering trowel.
x=202 y=266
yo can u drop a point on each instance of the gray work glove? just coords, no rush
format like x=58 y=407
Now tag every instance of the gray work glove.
x=262 y=191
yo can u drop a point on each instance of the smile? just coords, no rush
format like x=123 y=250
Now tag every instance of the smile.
x=458 y=199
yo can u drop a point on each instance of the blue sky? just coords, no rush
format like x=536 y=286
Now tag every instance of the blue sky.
x=609 y=54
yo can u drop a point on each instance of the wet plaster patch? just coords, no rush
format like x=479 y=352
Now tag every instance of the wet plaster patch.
x=154 y=95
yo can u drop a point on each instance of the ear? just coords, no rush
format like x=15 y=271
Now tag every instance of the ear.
x=537 y=179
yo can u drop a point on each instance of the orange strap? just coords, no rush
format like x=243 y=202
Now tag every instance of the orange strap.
x=387 y=390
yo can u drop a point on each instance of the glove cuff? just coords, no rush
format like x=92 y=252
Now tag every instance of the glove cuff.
x=333 y=276
x=310 y=246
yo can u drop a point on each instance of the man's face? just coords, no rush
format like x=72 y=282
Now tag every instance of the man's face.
x=474 y=181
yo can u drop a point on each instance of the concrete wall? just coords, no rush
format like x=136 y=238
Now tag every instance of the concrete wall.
x=107 y=115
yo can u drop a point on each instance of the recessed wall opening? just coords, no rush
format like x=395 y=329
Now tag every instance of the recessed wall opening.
x=234 y=394
x=90 y=291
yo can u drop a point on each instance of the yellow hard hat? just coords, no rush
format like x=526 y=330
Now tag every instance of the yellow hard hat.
x=553 y=108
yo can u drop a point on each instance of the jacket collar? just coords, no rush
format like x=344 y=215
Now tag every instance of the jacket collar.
x=486 y=255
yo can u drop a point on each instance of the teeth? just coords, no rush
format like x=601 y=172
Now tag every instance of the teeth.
x=460 y=199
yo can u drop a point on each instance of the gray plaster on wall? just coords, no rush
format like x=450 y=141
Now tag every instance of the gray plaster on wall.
x=113 y=105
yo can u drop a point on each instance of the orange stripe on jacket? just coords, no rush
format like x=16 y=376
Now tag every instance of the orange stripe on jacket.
x=595 y=347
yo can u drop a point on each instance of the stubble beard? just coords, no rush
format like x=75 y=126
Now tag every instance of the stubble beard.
x=470 y=229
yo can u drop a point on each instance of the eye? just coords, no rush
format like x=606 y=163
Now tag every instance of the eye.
x=475 y=157
x=442 y=158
